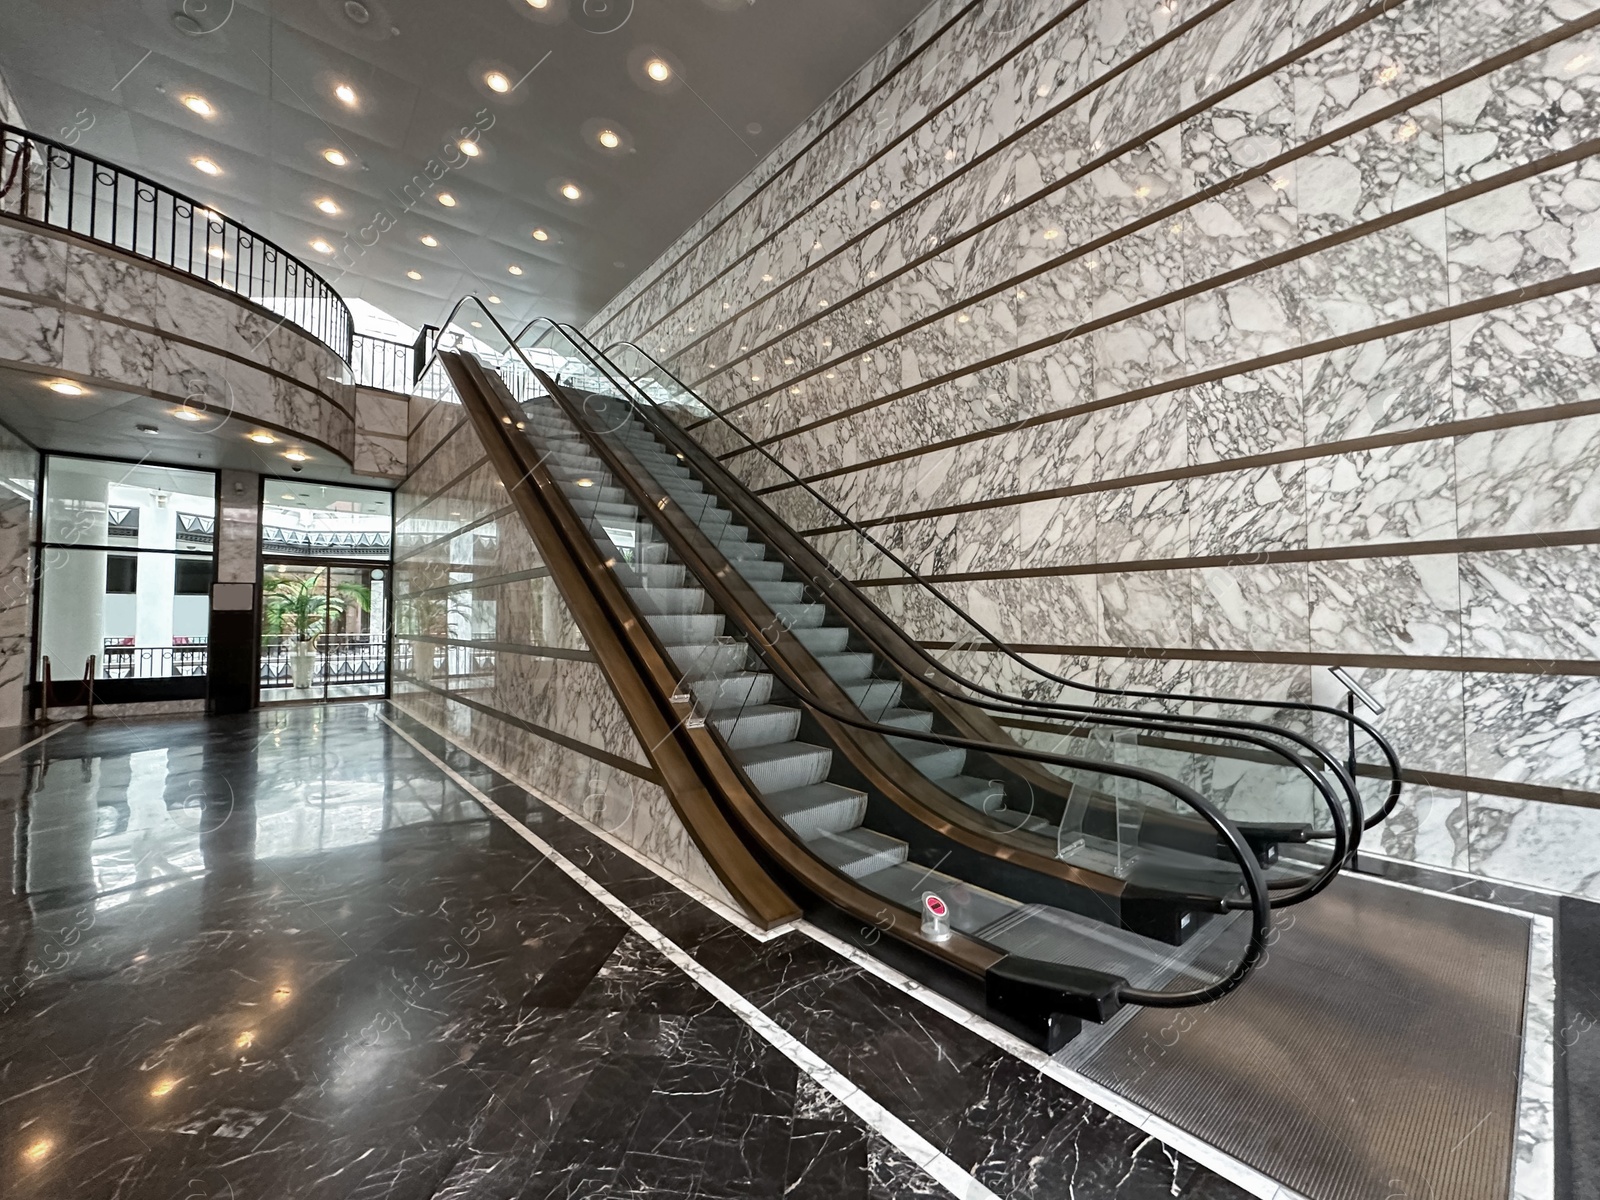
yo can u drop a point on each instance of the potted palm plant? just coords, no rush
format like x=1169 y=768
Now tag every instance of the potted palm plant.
x=300 y=607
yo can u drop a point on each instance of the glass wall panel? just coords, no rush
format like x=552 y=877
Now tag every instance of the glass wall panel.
x=125 y=570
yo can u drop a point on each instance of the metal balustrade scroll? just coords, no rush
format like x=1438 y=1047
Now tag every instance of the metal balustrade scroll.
x=50 y=183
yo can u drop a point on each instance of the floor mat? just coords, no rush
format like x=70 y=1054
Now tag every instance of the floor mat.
x=1375 y=1054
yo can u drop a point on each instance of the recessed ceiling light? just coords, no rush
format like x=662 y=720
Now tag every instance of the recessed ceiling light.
x=346 y=93
x=328 y=206
x=514 y=269
x=658 y=70
x=538 y=3
x=572 y=191
x=262 y=439
x=336 y=157
x=413 y=274
x=469 y=148
x=493 y=299
x=321 y=247
x=205 y=166
x=585 y=483
x=479 y=325
x=296 y=455
x=200 y=105
x=287 y=496
x=609 y=139
x=540 y=235
x=187 y=414
x=497 y=81
x=64 y=387
x=428 y=239
x=446 y=199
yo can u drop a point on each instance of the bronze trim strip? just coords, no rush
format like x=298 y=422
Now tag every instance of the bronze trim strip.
x=637 y=770
x=455 y=533
x=1467 y=545
x=1478 y=785
x=1050 y=114
x=1223 y=279
x=630 y=658
x=439 y=491
x=1110 y=156
x=526 y=649
x=471 y=584
x=434 y=449
x=1300 y=658
x=1440 y=316
x=904 y=63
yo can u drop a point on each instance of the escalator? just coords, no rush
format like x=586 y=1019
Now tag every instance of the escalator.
x=1066 y=858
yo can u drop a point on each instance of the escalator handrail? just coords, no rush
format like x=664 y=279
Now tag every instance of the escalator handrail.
x=1392 y=760
x=1345 y=843
x=1253 y=879
x=1314 y=883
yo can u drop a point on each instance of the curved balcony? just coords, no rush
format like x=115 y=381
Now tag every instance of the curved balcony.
x=165 y=313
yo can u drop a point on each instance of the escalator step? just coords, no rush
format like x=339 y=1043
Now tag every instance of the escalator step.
x=858 y=852
x=743 y=687
x=823 y=639
x=930 y=758
x=819 y=808
x=702 y=660
x=800 y=616
x=779 y=591
x=685 y=628
x=846 y=668
x=669 y=600
x=785 y=767
x=907 y=718
x=743 y=726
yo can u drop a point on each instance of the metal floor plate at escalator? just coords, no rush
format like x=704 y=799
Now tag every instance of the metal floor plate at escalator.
x=1375 y=1054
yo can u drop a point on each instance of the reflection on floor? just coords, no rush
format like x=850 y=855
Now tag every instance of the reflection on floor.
x=286 y=955
x=335 y=691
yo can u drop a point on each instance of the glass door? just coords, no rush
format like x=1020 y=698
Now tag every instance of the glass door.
x=324 y=634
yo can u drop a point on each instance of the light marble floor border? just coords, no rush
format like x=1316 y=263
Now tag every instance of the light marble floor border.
x=43 y=737
x=896 y=1132
x=1534 y=1165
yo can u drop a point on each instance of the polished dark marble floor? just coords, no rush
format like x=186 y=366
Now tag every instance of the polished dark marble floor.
x=283 y=955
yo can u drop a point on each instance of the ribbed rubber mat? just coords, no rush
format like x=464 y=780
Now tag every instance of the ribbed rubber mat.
x=1376 y=1053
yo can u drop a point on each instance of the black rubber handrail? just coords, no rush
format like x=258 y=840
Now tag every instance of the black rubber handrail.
x=913 y=576
x=1227 y=832
x=1345 y=833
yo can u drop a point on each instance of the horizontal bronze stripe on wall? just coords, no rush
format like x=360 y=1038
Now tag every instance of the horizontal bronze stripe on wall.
x=1349 y=129
x=1543 y=793
x=468 y=585
x=1442 y=316
x=1309 y=249
x=436 y=447
x=1297 y=658
x=796 y=157
x=605 y=756
x=526 y=649
x=496 y=515
x=1057 y=109
x=442 y=489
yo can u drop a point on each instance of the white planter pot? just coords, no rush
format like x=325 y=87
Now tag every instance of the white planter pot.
x=302 y=661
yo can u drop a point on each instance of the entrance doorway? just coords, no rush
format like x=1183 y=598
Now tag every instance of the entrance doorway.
x=325 y=592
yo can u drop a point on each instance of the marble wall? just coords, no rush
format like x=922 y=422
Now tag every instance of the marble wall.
x=19 y=490
x=72 y=308
x=487 y=652
x=1207 y=346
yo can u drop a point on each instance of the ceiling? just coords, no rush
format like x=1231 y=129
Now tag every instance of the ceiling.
x=107 y=423
x=109 y=76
